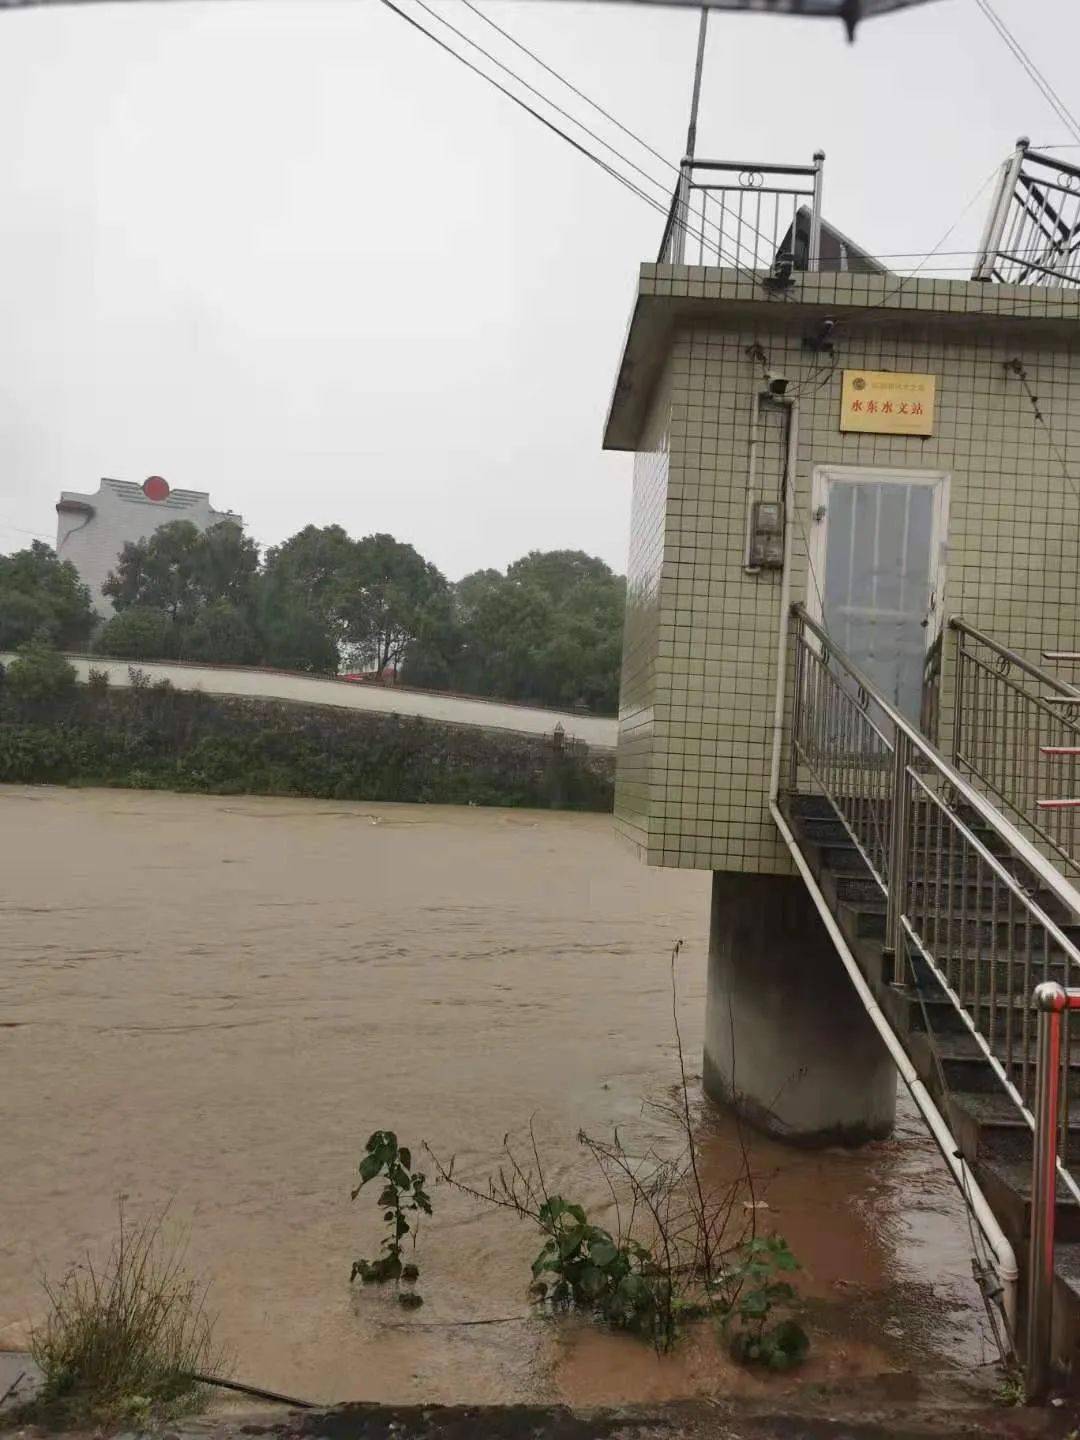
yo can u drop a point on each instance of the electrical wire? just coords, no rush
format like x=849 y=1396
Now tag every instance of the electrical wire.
x=661 y=185
x=676 y=170
x=1035 y=74
x=571 y=87
x=705 y=221
x=1015 y=367
x=529 y=110
x=604 y=165
x=21 y=530
x=884 y=302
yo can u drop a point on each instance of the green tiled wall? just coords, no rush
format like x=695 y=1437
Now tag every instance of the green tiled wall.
x=700 y=658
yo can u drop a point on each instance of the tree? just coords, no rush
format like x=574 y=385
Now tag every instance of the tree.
x=391 y=599
x=548 y=631
x=179 y=569
x=39 y=672
x=222 y=634
x=141 y=634
x=158 y=572
x=557 y=572
x=41 y=595
x=312 y=566
x=226 y=565
x=292 y=635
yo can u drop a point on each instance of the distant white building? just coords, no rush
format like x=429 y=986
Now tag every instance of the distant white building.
x=91 y=530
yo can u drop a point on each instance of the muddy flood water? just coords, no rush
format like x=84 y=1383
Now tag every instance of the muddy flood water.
x=210 y=1002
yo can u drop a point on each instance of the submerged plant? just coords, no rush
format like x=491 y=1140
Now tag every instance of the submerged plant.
x=752 y=1291
x=619 y=1280
x=402 y=1196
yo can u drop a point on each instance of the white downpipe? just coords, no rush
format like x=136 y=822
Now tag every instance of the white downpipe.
x=1002 y=1251
x=785 y=600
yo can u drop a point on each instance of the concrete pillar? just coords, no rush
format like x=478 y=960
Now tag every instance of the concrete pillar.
x=787 y=1041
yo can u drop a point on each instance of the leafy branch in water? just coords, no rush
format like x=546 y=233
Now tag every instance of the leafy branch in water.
x=752 y=1293
x=679 y=1248
x=403 y=1196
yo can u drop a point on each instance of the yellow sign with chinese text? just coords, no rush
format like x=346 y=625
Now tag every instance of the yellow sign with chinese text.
x=887 y=402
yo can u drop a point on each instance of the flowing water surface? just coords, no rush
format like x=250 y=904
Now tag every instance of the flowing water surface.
x=208 y=1003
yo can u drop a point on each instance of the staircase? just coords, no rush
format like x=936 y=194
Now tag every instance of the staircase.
x=953 y=917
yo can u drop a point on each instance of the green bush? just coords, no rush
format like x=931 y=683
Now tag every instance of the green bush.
x=140 y=634
x=39 y=673
x=156 y=737
x=619 y=1280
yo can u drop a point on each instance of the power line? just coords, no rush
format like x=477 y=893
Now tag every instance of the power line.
x=884 y=302
x=529 y=110
x=609 y=169
x=1020 y=54
x=571 y=87
x=1015 y=367
x=21 y=530
x=660 y=184
x=705 y=221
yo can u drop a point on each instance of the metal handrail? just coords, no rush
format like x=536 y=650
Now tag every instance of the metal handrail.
x=1052 y=1002
x=1013 y=725
x=1046 y=873
x=957 y=622
x=1032 y=230
x=729 y=223
x=971 y=906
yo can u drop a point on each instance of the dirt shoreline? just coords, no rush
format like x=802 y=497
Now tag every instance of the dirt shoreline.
x=867 y=1414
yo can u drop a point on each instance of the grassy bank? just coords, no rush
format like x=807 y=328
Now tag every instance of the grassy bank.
x=163 y=739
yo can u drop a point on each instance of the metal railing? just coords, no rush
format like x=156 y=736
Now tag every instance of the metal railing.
x=1013 y=728
x=1032 y=233
x=742 y=215
x=1054 y=1004
x=968 y=897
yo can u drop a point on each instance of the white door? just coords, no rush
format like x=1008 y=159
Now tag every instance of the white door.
x=877 y=571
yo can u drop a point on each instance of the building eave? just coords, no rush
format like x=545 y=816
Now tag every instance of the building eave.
x=671 y=296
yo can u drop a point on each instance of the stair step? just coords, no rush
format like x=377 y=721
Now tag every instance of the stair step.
x=967 y=1068
x=1007 y=1185
x=909 y=1001
x=1067 y=1267
x=842 y=858
x=969 y=961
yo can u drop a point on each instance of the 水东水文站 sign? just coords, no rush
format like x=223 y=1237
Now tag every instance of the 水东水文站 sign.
x=887 y=402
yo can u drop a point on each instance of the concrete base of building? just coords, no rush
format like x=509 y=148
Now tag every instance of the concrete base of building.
x=788 y=1044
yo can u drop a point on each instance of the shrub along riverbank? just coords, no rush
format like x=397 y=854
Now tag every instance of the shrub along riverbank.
x=163 y=739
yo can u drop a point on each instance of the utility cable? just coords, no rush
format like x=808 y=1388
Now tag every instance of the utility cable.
x=559 y=110
x=670 y=165
x=884 y=302
x=572 y=88
x=1020 y=54
x=604 y=165
x=1015 y=367
x=529 y=110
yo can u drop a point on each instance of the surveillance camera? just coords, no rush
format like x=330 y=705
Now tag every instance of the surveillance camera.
x=777 y=383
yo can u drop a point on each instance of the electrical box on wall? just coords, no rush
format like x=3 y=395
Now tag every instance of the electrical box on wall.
x=766 y=548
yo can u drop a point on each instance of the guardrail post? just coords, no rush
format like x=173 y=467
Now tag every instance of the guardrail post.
x=899 y=822
x=1050 y=1001
x=813 y=256
x=958 y=696
x=994 y=228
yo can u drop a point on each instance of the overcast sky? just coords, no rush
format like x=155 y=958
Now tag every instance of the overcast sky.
x=289 y=252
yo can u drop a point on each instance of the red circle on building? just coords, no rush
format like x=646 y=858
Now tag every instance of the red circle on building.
x=155 y=488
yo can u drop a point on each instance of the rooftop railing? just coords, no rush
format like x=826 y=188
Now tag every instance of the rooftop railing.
x=743 y=215
x=1032 y=234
